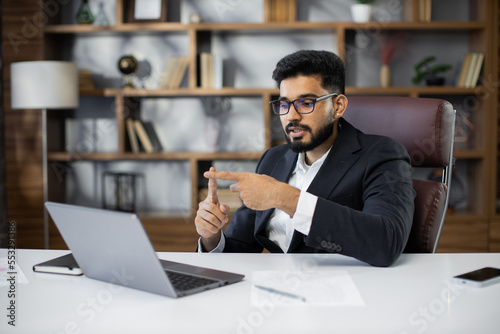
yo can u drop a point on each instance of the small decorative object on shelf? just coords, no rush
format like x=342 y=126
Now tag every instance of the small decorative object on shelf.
x=127 y=65
x=430 y=73
x=119 y=191
x=195 y=18
x=101 y=19
x=385 y=75
x=362 y=11
x=389 y=44
x=216 y=108
x=84 y=14
x=147 y=11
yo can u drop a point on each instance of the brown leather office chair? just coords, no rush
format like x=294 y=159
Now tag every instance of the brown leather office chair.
x=426 y=128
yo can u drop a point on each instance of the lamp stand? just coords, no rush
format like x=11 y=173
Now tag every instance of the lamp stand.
x=44 y=85
x=45 y=179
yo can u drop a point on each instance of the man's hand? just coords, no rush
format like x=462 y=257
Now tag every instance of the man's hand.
x=260 y=192
x=211 y=216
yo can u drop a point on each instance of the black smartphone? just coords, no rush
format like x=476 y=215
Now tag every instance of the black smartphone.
x=479 y=278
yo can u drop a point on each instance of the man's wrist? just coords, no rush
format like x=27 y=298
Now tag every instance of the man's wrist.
x=208 y=244
x=288 y=198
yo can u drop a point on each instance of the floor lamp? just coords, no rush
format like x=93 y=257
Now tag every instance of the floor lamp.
x=44 y=85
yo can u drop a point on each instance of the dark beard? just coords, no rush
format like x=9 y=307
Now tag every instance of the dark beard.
x=298 y=146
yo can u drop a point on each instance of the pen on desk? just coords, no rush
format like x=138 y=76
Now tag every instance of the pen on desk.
x=279 y=292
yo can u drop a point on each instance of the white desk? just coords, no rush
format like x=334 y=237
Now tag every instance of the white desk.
x=412 y=296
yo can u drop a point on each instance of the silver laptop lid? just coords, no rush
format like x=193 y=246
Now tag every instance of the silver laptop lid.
x=111 y=246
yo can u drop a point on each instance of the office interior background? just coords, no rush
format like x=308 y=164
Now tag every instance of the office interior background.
x=230 y=126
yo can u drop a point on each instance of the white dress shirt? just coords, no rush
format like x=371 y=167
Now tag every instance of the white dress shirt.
x=281 y=226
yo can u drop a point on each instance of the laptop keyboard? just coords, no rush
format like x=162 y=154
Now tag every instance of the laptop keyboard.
x=184 y=282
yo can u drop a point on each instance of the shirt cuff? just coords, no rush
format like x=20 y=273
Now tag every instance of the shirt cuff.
x=302 y=219
x=218 y=249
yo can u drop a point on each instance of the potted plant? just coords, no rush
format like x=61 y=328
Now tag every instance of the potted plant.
x=362 y=11
x=423 y=70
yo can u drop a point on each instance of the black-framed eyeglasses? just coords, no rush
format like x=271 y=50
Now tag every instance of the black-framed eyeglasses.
x=302 y=105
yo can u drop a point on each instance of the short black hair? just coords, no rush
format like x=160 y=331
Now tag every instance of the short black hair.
x=325 y=64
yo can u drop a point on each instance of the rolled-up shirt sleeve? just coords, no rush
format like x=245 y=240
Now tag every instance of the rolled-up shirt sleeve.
x=302 y=219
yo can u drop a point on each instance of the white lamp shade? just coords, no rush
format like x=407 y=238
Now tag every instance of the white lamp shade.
x=44 y=85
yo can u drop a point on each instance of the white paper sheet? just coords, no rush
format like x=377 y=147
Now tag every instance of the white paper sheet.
x=305 y=288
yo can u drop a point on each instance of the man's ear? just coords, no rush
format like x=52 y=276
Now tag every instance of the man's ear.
x=340 y=105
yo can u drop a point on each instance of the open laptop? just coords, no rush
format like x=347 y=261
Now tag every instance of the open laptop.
x=113 y=246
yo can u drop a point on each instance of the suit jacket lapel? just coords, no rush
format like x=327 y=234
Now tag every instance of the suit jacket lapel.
x=281 y=172
x=337 y=163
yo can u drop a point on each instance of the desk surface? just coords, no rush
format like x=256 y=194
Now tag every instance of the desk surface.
x=413 y=296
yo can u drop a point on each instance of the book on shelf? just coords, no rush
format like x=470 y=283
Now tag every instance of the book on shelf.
x=217 y=71
x=463 y=71
x=132 y=137
x=471 y=69
x=143 y=136
x=211 y=70
x=174 y=72
x=167 y=73
x=424 y=10
x=280 y=10
x=205 y=69
x=85 y=80
x=179 y=73
x=153 y=136
x=478 y=64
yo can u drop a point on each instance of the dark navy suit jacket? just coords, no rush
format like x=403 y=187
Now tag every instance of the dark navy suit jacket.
x=365 y=201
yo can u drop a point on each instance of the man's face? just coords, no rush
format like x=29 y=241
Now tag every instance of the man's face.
x=306 y=132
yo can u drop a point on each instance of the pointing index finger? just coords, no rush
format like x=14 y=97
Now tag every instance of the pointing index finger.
x=232 y=176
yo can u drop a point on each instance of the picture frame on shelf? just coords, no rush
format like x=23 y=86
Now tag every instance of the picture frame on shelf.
x=147 y=11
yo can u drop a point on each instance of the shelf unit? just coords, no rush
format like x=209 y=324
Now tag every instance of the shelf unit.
x=465 y=229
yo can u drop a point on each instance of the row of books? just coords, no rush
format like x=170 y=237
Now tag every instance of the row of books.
x=210 y=70
x=280 y=10
x=424 y=10
x=173 y=73
x=142 y=136
x=471 y=68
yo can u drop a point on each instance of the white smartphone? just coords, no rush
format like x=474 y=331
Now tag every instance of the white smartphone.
x=479 y=278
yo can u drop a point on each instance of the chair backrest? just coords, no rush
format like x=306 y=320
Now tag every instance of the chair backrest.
x=426 y=128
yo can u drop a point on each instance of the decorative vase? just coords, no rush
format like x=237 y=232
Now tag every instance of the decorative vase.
x=361 y=12
x=101 y=19
x=385 y=76
x=84 y=14
x=434 y=81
